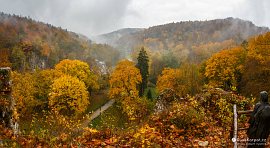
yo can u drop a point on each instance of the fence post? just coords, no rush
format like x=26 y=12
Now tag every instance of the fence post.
x=235 y=126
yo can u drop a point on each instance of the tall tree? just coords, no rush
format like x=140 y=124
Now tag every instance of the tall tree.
x=256 y=74
x=143 y=66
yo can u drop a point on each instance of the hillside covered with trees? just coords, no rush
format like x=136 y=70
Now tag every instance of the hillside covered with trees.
x=27 y=44
x=187 y=40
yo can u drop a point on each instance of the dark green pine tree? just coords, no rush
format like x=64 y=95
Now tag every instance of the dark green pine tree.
x=143 y=66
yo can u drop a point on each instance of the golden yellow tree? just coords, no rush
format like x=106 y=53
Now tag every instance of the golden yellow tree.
x=168 y=79
x=224 y=69
x=124 y=80
x=123 y=87
x=68 y=95
x=79 y=69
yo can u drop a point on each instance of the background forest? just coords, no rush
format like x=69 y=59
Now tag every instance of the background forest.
x=173 y=85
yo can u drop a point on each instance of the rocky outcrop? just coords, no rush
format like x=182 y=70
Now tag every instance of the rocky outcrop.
x=7 y=103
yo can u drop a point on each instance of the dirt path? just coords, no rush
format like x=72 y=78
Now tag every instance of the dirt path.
x=101 y=109
x=97 y=113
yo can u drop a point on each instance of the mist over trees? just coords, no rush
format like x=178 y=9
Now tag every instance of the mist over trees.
x=186 y=38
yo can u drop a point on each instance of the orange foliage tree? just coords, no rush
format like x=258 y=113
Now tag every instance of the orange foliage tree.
x=184 y=80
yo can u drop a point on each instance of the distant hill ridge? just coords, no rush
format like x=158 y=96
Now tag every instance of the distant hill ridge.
x=110 y=38
x=184 y=33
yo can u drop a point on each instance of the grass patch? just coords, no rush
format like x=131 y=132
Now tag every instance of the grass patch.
x=112 y=118
x=95 y=122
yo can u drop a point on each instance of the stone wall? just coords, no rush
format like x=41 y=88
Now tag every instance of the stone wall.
x=6 y=101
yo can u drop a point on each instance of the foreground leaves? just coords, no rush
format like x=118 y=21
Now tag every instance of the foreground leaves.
x=188 y=122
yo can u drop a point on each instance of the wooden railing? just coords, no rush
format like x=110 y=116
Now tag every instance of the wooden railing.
x=235 y=122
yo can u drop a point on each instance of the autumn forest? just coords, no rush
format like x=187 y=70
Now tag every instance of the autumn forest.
x=171 y=85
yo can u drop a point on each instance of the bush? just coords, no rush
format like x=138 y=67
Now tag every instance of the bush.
x=185 y=116
x=219 y=104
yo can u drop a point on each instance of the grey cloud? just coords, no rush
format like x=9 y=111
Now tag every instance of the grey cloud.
x=255 y=11
x=91 y=17
x=88 y=17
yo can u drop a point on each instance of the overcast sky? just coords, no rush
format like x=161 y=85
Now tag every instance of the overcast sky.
x=92 y=17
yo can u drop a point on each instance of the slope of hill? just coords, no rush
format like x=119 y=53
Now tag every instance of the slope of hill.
x=112 y=37
x=26 y=44
x=189 y=37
